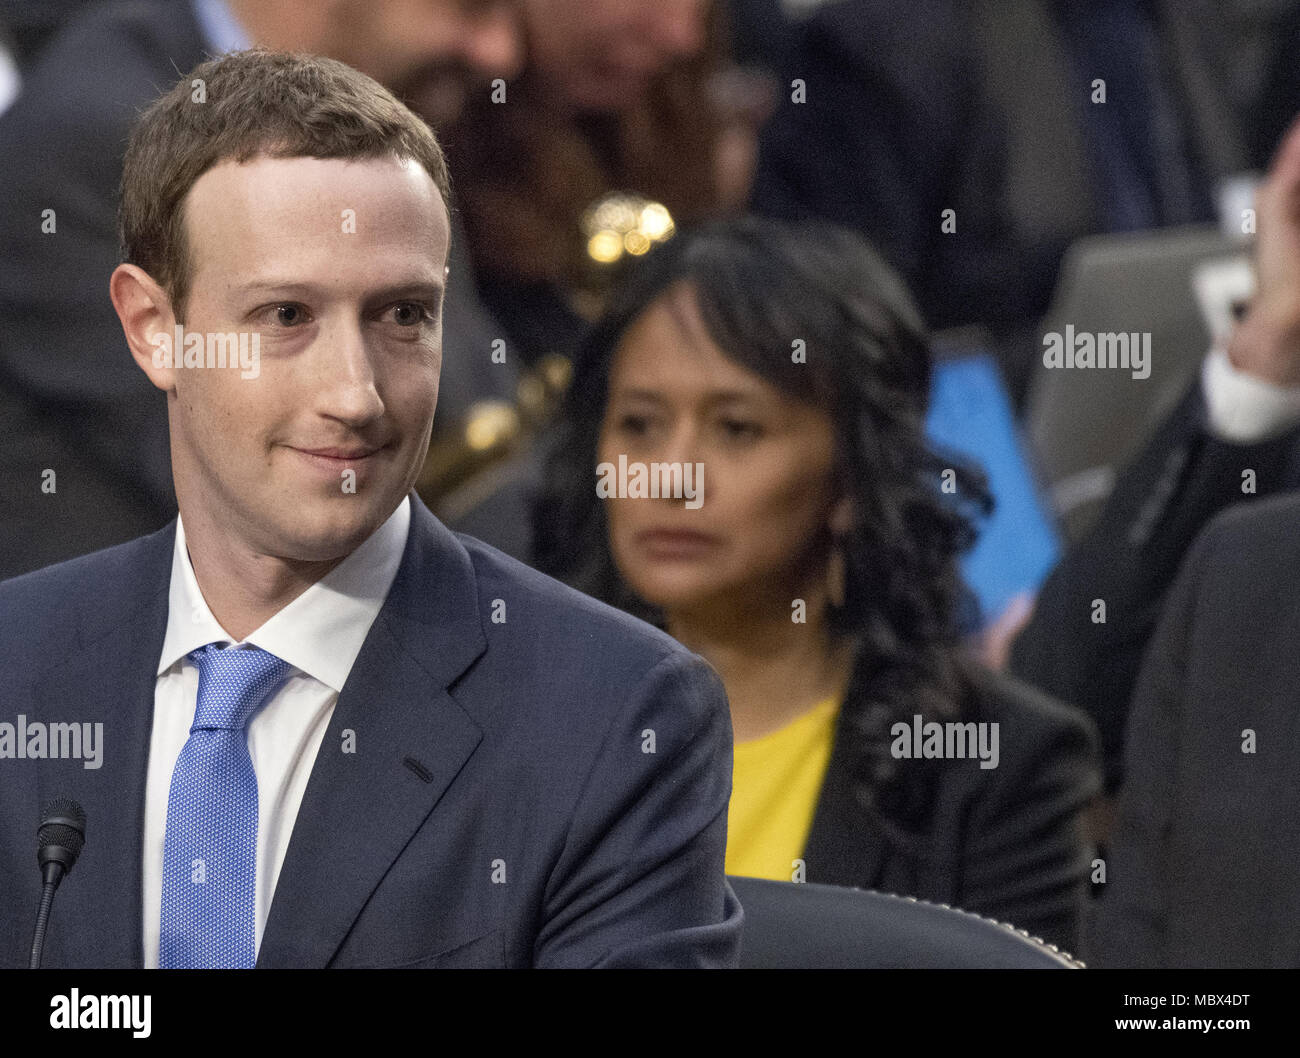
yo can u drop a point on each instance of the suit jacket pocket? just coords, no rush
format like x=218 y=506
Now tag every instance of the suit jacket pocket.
x=484 y=952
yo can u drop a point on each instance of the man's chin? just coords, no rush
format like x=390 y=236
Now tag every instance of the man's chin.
x=328 y=530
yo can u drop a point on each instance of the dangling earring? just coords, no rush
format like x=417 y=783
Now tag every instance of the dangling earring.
x=835 y=575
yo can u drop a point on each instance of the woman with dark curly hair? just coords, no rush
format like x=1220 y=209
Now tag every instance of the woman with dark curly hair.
x=803 y=538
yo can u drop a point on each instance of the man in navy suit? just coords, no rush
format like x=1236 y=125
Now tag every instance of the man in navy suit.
x=326 y=730
x=70 y=398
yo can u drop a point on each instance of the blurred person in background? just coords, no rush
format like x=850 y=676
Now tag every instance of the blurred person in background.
x=1206 y=848
x=1234 y=438
x=71 y=401
x=974 y=140
x=617 y=96
x=629 y=118
x=884 y=123
x=819 y=573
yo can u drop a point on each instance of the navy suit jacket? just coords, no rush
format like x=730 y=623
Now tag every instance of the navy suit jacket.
x=547 y=789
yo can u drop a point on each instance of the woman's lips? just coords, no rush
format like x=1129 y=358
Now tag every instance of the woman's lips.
x=675 y=543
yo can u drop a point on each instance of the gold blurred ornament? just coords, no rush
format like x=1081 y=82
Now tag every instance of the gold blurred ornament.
x=617 y=227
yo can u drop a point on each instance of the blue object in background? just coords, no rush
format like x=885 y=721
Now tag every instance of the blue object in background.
x=971 y=415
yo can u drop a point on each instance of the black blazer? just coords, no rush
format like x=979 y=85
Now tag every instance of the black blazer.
x=1181 y=479
x=1006 y=842
x=1206 y=851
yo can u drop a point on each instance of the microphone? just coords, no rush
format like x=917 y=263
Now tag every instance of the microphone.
x=60 y=838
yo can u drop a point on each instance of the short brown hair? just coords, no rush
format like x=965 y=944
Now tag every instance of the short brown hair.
x=254 y=102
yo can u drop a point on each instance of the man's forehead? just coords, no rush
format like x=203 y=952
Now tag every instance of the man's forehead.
x=291 y=208
x=318 y=190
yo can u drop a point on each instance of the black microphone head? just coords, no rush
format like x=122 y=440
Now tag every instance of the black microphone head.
x=62 y=832
x=65 y=807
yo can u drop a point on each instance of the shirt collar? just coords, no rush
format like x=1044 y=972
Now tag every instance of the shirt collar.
x=321 y=632
x=220 y=29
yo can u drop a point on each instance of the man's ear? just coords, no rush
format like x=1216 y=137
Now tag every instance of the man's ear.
x=148 y=322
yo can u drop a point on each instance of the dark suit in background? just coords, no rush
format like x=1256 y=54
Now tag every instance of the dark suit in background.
x=1129 y=559
x=894 y=129
x=546 y=790
x=1006 y=842
x=985 y=108
x=1207 y=850
x=71 y=398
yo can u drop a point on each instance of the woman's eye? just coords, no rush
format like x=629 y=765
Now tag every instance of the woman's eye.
x=740 y=428
x=633 y=424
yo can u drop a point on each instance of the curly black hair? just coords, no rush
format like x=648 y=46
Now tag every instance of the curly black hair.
x=762 y=285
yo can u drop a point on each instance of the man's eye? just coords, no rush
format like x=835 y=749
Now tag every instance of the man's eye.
x=410 y=314
x=290 y=315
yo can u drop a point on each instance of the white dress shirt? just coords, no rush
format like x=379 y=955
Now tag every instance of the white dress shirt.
x=1242 y=408
x=320 y=634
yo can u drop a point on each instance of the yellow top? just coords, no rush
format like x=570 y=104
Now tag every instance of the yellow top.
x=776 y=780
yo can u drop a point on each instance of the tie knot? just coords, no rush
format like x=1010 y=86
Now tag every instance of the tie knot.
x=233 y=683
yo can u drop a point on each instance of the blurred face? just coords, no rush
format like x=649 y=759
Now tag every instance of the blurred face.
x=308 y=458
x=429 y=53
x=603 y=54
x=767 y=460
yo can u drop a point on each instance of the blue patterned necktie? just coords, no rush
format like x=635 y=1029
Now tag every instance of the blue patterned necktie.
x=210 y=845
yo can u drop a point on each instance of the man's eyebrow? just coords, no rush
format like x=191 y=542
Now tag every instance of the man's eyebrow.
x=275 y=286
x=430 y=289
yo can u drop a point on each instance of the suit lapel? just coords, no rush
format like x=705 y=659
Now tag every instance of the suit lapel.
x=844 y=845
x=360 y=809
x=109 y=677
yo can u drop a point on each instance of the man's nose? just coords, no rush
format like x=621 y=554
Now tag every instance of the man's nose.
x=347 y=389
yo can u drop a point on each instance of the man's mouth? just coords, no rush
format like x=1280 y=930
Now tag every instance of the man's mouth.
x=340 y=453
x=335 y=460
